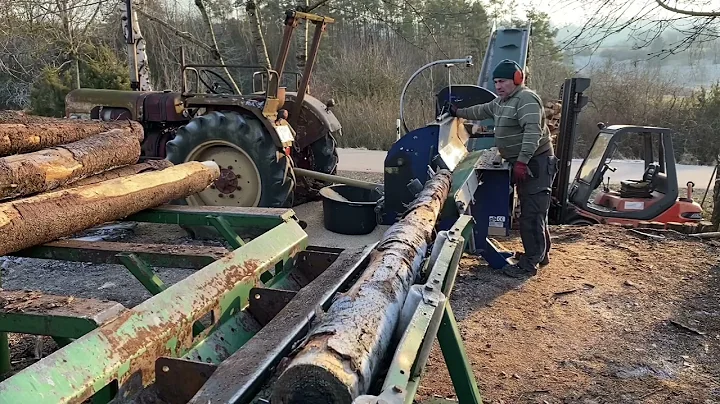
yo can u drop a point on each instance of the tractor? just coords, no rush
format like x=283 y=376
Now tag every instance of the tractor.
x=256 y=138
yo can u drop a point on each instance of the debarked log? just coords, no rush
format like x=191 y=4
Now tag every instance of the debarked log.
x=37 y=134
x=48 y=169
x=340 y=357
x=147 y=166
x=46 y=217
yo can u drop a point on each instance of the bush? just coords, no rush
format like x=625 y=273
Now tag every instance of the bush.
x=100 y=69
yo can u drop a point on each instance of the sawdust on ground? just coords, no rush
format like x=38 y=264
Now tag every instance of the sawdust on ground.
x=614 y=318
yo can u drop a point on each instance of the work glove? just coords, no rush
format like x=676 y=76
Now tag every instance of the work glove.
x=520 y=172
x=451 y=108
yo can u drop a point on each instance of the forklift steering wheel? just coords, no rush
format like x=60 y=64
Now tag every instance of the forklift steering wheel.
x=215 y=87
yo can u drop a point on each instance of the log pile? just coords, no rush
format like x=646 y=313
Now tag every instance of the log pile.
x=60 y=176
x=553 y=114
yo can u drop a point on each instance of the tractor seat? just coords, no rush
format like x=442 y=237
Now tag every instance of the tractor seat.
x=642 y=188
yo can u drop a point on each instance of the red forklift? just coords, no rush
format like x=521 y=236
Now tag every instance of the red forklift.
x=589 y=200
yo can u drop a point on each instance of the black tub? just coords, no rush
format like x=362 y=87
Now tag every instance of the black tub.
x=354 y=216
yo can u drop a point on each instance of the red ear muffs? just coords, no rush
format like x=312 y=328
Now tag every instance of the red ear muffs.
x=518 y=77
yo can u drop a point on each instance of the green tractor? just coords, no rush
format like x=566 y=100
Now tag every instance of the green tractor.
x=257 y=139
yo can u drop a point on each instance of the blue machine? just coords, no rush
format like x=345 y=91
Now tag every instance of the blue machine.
x=481 y=179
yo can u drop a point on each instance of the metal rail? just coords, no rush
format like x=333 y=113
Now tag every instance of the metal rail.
x=127 y=347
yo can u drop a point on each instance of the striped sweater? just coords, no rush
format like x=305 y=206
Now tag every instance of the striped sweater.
x=520 y=128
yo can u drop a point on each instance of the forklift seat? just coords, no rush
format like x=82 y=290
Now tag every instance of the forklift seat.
x=642 y=188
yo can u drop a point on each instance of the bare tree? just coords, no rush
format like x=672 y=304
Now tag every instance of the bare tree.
x=644 y=21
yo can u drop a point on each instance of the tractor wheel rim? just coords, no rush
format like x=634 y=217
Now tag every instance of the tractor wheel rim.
x=239 y=181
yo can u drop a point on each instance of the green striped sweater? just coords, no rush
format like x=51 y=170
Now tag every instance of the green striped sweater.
x=520 y=128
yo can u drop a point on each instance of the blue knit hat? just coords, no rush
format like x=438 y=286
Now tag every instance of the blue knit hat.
x=506 y=70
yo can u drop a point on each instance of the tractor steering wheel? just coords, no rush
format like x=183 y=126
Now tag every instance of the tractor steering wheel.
x=216 y=87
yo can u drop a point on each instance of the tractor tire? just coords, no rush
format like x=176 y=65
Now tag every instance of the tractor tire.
x=254 y=172
x=325 y=156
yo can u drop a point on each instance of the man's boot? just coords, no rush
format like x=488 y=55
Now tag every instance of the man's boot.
x=518 y=271
x=545 y=261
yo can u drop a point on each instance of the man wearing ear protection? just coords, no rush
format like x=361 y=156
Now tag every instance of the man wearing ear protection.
x=523 y=139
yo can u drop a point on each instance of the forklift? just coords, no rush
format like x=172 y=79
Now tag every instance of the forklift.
x=588 y=200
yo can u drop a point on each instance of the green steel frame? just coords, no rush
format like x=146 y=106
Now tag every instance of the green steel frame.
x=434 y=318
x=202 y=320
x=233 y=273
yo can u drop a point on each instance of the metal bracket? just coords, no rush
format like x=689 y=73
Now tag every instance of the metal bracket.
x=224 y=228
x=178 y=380
x=265 y=304
x=142 y=272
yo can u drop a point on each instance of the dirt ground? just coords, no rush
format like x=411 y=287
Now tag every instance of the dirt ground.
x=615 y=318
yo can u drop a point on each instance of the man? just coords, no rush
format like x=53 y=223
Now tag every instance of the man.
x=523 y=139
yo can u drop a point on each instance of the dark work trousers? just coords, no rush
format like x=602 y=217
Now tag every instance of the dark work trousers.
x=534 y=195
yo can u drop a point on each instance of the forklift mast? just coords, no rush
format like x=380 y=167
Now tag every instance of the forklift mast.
x=573 y=101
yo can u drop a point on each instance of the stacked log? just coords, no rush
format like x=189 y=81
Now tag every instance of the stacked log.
x=59 y=177
x=49 y=216
x=34 y=135
x=47 y=169
x=553 y=113
x=147 y=166
x=343 y=352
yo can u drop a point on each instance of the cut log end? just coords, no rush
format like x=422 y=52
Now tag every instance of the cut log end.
x=311 y=383
x=212 y=166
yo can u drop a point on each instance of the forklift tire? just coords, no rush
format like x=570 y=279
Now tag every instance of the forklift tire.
x=217 y=135
x=582 y=222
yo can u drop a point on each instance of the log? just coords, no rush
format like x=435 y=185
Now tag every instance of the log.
x=46 y=217
x=18 y=136
x=676 y=226
x=343 y=351
x=45 y=170
x=149 y=165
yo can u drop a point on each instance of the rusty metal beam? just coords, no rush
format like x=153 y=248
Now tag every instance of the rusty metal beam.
x=341 y=355
x=127 y=347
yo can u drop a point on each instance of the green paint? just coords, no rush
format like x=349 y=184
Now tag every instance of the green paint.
x=4 y=354
x=225 y=340
x=225 y=229
x=264 y=218
x=149 y=279
x=142 y=272
x=453 y=350
x=46 y=324
x=71 y=373
x=190 y=257
x=123 y=369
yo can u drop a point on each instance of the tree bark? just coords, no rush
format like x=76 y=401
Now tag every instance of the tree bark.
x=715 y=218
x=49 y=216
x=301 y=38
x=340 y=357
x=257 y=36
x=37 y=134
x=45 y=170
x=150 y=165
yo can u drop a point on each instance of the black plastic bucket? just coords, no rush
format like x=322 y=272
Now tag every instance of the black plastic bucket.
x=354 y=216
